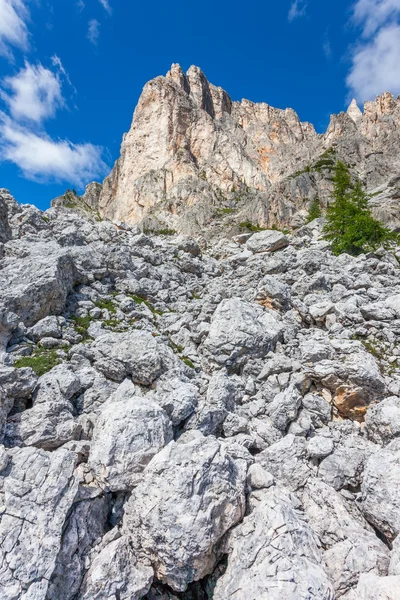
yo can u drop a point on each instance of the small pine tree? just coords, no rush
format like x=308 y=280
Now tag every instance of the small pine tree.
x=350 y=225
x=314 y=212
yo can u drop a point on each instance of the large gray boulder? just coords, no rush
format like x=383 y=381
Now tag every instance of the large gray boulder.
x=137 y=354
x=36 y=492
x=191 y=493
x=223 y=393
x=86 y=523
x=16 y=385
x=381 y=490
x=239 y=330
x=372 y=587
x=345 y=466
x=177 y=396
x=350 y=373
x=127 y=434
x=287 y=460
x=267 y=241
x=274 y=554
x=351 y=546
x=37 y=284
x=116 y=573
x=382 y=423
x=50 y=422
x=47 y=327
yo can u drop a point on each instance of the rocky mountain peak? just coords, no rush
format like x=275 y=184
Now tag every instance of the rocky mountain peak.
x=354 y=111
x=194 y=160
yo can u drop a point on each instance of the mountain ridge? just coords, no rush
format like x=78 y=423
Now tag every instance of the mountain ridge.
x=191 y=152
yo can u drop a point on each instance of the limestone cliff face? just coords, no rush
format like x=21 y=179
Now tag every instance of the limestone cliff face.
x=192 y=157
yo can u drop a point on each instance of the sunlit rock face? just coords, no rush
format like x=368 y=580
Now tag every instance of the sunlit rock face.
x=193 y=157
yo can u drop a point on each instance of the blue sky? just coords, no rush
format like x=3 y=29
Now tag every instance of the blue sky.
x=71 y=71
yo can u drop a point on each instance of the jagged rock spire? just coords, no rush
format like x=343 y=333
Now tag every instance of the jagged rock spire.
x=354 y=112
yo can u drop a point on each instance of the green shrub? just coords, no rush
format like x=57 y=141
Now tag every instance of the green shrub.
x=225 y=211
x=251 y=227
x=188 y=362
x=41 y=361
x=141 y=300
x=350 y=226
x=166 y=231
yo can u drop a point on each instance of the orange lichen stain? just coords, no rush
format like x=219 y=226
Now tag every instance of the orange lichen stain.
x=264 y=154
x=350 y=403
x=268 y=303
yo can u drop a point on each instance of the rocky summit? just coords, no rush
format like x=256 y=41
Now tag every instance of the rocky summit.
x=194 y=159
x=195 y=404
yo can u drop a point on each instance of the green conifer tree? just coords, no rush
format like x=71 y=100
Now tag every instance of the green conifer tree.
x=314 y=212
x=350 y=226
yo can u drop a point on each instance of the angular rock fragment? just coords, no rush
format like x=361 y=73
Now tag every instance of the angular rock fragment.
x=127 y=434
x=192 y=492
x=137 y=354
x=382 y=423
x=381 y=490
x=116 y=573
x=239 y=330
x=267 y=241
x=274 y=554
x=36 y=492
x=351 y=547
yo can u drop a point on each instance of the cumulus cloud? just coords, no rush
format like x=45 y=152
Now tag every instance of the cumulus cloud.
x=298 y=8
x=31 y=96
x=13 y=29
x=375 y=64
x=372 y=14
x=41 y=158
x=34 y=92
x=93 y=33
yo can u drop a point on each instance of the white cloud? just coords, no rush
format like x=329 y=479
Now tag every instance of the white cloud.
x=80 y=4
x=31 y=96
x=42 y=159
x=373 y=14
x=13 y=29
x=93 y=33
x=35 y=92
x=375 y=64
x=106 y=5
x=297 y=9
x=56 y=62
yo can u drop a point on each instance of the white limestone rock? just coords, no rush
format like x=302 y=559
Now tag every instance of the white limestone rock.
x=381 y=490
x=127 y=434
x=137 y=354
x=274 y=554
x=238 y=330
x=116 y=573
x=35 y=495
x=382 y=423
x=168 y=516
x=267 y=241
